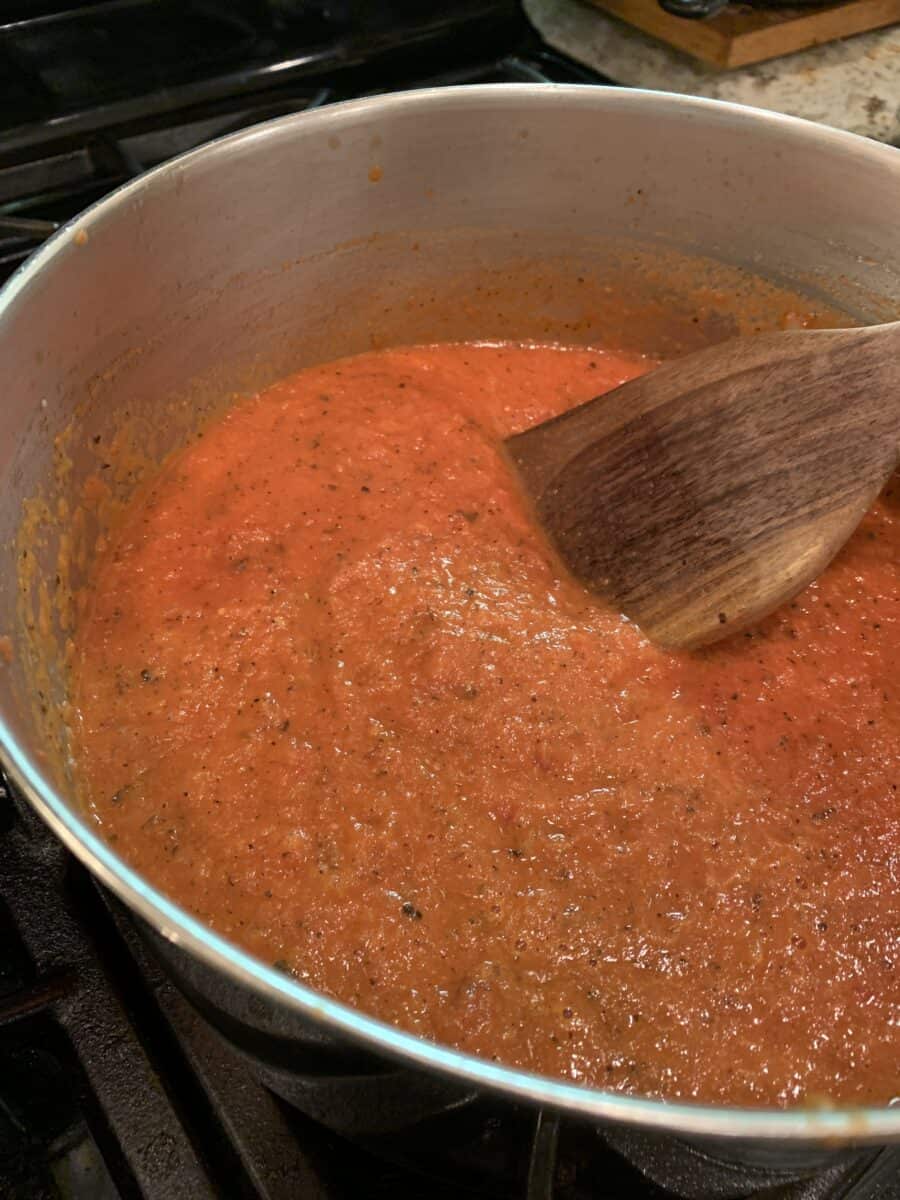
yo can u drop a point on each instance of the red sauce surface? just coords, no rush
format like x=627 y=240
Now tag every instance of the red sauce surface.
x=334 y=697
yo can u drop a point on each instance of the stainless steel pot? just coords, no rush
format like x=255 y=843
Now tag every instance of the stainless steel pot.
x=367 y=223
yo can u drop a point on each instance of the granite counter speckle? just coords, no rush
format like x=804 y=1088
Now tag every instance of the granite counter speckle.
x=852 y=84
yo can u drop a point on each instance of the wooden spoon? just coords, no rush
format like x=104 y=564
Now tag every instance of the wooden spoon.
x=701 y=496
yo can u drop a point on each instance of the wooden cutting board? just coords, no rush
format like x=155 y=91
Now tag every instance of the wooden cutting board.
x=741 y=35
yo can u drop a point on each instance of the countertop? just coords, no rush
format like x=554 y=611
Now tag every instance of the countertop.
x=852 y=84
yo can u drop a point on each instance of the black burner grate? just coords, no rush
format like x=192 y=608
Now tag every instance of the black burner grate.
x=91 y=96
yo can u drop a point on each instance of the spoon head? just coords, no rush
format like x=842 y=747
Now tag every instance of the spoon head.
x=700 y=497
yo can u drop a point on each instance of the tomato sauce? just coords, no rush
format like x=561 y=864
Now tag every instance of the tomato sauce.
x=334 y=696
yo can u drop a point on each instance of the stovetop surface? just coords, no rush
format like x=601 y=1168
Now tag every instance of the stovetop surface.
x=92 y=94
x=111 y=1086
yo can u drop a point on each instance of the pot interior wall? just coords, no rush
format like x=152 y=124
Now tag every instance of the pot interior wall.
x=117 y=395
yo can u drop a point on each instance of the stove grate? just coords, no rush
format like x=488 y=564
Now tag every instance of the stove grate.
x=77 y=132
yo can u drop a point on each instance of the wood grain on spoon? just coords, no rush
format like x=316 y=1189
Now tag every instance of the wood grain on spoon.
x=705 y=494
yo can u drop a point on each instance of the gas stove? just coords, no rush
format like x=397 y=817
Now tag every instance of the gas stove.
x=111 y=1086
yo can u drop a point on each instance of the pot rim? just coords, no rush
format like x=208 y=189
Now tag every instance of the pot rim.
x=838 y=1126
